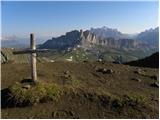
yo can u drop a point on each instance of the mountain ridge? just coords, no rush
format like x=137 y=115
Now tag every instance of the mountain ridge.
x=104 y=36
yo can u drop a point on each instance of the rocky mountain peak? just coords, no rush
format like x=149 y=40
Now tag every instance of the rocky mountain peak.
x=105 y=32
x=107 y=37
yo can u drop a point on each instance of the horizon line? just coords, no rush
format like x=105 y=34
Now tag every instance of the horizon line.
x=64 y=33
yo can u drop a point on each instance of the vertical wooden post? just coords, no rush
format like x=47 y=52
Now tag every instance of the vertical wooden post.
x=33 y=58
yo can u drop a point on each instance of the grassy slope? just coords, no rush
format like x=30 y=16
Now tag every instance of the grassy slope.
x=79 y=55
x=14 y=58
x=83 y=100
x=7 y=54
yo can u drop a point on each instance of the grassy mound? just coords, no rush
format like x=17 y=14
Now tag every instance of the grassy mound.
x=29 y=94
x=24 y=94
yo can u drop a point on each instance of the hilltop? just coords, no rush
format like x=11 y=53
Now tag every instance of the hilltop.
x=90 y=90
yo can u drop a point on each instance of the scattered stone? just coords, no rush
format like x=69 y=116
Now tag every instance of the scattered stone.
x=155 y=84
x=26 y=86
x=109 y=71
x=52 y=61
x=98 y=69
x=99 y=60
x=139 y=71
x=104 y=70
x=154 y=77
x=136 y=79
x=67 y=72
x=70 y=59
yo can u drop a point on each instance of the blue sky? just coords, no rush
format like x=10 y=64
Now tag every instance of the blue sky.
x=55 y=18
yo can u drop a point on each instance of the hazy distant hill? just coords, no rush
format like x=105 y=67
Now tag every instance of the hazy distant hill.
x=14 y=44
x=150 y=36
x=105 y=32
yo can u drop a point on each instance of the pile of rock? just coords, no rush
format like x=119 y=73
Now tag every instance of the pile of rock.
x=139 y=71
x=155 y=84
x=136 y=79
x=104 y=70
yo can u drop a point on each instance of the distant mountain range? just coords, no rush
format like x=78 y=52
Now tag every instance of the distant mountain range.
x=104 y=36
x=105 y=32
x=110 y=38
x=91 y=45
x=150 y=36
x=14 y=44
x=17 y=42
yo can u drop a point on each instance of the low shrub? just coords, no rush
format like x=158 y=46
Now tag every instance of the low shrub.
x=133 y=100
x=128 y=100
x=27 y=94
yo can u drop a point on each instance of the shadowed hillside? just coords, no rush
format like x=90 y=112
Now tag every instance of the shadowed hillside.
x=151 y=61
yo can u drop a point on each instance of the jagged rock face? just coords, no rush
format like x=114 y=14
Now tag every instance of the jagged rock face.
x=89 y=37
x=69 y=40
x=121 y=43
x=125 y=43
x=86 y=39
x=128 y=43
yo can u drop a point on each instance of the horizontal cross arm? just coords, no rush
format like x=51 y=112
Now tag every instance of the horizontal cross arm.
x=29 y=51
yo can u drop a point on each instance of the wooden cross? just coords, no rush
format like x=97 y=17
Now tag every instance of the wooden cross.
x=33 y=52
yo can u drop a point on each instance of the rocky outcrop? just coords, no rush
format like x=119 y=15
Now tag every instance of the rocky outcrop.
x=3 y=58
x=120 y=43
x=71 y=39
x=87 y=38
